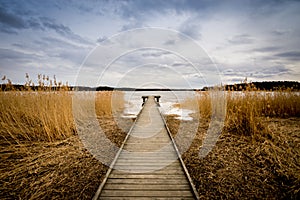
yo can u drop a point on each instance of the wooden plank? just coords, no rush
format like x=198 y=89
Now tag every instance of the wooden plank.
x=141 y=146
x=145 y=161
x=140 y=170
x=145 y=198
x=151 y=159
x=146 y=187
x=149 y=141
x=146 y=176
x=141 y=164
x=169 y=171
x=148 y=167
x=128 y=154
x=150 y=193
x=168 y=156
x=143 y=156
x=157 y=181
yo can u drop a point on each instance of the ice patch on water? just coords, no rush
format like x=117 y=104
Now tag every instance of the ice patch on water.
x=132 y=109
x=182 y=114
x=168 y=101
x=167 y=108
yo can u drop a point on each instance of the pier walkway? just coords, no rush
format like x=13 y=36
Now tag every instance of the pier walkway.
x=148 y=165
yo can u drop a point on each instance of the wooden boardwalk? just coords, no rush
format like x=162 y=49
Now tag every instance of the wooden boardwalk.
x=147 y=166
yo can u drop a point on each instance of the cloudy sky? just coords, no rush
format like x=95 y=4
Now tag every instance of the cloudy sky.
x=184 y=43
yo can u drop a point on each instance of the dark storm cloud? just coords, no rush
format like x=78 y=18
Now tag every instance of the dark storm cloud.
x=280 y=32
x=270 y=72
x=98 y=7
x=140 y=9
x=291 y=55
x=59 y=28
x=11 y=20
x=230 y=72
x=51 y=41
x=34 y=24
x=177 y=64
x=135 y=8
x=62 y=30
x=132 y=25
x=156 y=54
x=267 y=49
x=55 y=47
x=191 y=28
x=8 y=30
x=48 y=44
x=9 y=54
x=101 y=39
x=263 y=72
x=12 y=23
x=236 y=80
x=170 y=42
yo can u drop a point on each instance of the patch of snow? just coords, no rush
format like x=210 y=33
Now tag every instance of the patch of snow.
x=182 y=114
x=167 y=101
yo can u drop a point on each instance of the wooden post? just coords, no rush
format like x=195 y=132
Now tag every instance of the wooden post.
x=144 y=99
x=157 y=98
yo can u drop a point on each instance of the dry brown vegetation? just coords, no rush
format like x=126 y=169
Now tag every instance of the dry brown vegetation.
x=256 y=156
x=109 y=105
x=36 y=116
x=41 y=155
x=258 y=153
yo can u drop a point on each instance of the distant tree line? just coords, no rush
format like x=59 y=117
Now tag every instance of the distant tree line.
x=266 y=85
x=47 y=84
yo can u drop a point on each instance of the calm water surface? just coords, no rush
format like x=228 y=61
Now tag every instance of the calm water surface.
x=167 y=101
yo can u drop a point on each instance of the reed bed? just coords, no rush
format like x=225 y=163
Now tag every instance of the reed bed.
x=109 y=103
x=35 y=116
x=257 y=154
x=244 y=112
x=41 y=154
x=109 y=107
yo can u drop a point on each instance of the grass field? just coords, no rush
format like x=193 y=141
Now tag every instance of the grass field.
x=256 y=156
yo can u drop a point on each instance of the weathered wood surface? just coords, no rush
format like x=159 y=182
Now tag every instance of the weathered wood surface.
x=148 y=166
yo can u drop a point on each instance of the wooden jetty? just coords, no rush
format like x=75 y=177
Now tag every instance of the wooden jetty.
x=148 y=165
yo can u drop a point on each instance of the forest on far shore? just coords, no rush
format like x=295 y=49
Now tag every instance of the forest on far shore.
x=264 y=86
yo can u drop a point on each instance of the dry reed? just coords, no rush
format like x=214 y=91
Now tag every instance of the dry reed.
x=41 y=155
x=35 y=116
x=245 y=110
x=257 y=154
x=109 y=109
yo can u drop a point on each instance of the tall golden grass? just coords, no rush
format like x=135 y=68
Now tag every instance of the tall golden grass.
x=47 y=116
x=109 y=103
x=109 y=107
x=36 y=116
x=41 y=112
x=41 y=155
x=257 y=154
x=245 y=110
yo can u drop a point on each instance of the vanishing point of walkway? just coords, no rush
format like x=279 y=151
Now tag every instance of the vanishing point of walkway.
x=148 y=166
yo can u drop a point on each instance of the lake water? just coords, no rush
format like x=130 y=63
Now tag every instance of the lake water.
x=167 y=101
